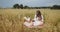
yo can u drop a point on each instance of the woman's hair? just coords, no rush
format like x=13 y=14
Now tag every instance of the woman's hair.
x=38 y=13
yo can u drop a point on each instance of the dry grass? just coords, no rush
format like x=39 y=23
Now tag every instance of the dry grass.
x=11 y=20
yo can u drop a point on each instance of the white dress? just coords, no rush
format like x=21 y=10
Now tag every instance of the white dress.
x=37 y=22
x=26 y=23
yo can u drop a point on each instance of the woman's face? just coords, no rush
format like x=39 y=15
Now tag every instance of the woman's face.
x=38 y=13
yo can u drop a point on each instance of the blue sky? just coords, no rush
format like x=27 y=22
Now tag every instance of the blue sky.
x=10 y=3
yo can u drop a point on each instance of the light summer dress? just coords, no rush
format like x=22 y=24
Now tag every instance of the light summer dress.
x=38 y=22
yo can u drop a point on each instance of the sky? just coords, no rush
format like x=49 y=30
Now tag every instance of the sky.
x=33 y=3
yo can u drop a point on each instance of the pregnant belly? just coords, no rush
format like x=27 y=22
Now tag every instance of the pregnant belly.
x=38 y=23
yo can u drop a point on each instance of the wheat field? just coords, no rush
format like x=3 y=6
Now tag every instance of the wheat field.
x=11 y=20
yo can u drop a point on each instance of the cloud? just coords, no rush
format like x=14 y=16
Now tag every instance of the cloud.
x=10 y=3
x=30 y=0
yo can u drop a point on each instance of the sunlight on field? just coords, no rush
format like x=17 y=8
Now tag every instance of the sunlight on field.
x=11 y=20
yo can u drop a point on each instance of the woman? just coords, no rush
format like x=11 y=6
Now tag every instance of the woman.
x=28 y=22
x=38 y=19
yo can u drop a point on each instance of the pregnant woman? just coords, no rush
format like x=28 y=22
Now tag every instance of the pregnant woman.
x=38 y=19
